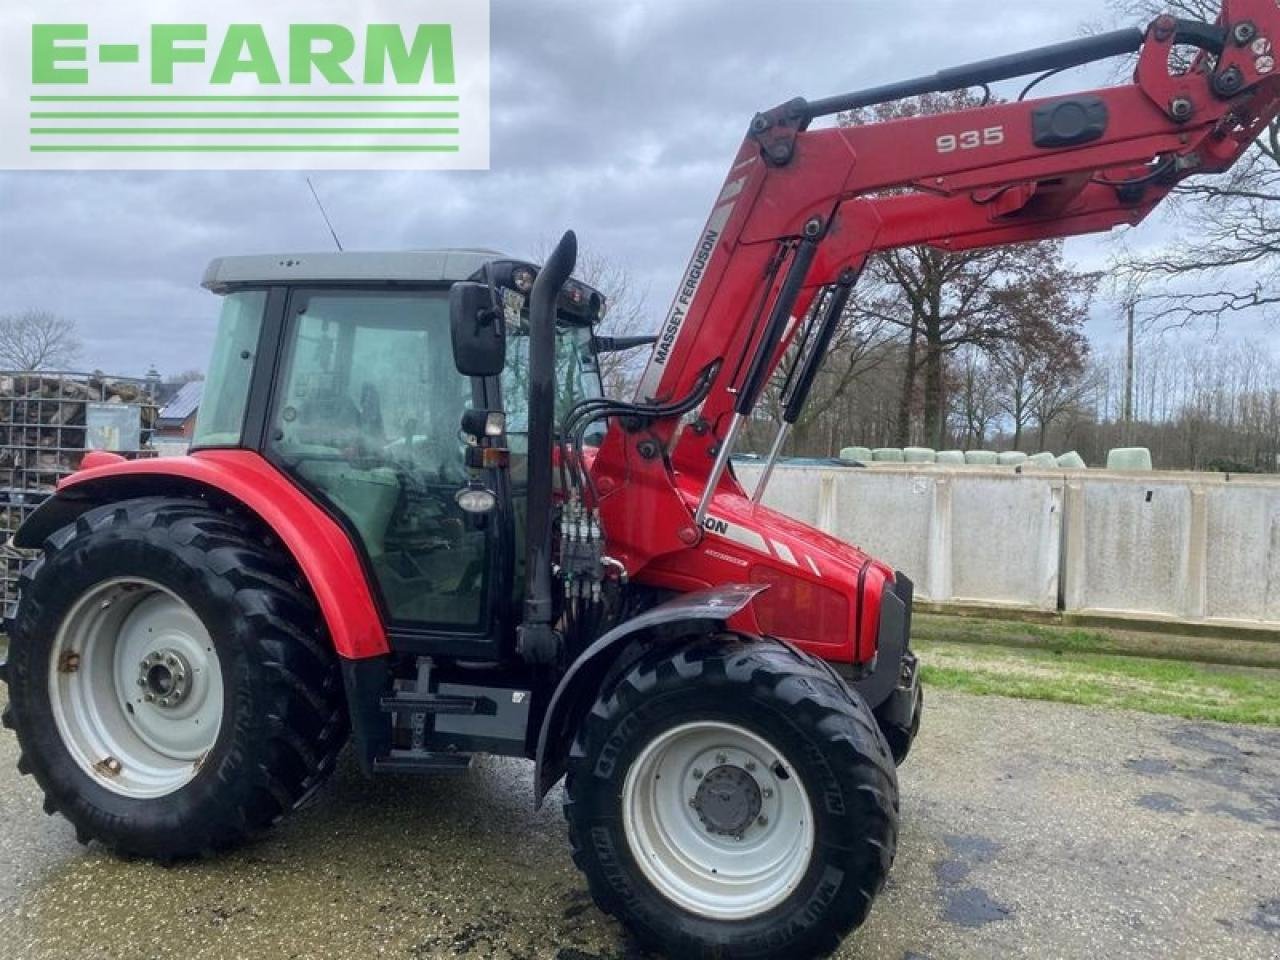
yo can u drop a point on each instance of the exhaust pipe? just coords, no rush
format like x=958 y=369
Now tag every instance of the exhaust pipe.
x=536 y=641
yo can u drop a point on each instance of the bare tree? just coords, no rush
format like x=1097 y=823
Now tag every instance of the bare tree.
x=976 y=398
x=37 y=340
x=1040 y=370
x=1225 y=259
x=945 y=301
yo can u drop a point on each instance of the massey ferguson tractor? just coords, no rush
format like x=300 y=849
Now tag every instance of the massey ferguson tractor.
x=413 y=521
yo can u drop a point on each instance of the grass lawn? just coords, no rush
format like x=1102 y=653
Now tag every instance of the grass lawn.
x=1075 y=666
x=1260 y=652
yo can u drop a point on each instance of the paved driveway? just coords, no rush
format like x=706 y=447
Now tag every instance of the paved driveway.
x=1029 y=830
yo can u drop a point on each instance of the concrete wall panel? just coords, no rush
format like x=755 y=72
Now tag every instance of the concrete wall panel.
x=1005 y=540
x=1128 y=550
x=1173 y=546
x=1242 y=566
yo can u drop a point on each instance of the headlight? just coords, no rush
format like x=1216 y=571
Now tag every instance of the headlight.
x=476 y=499
x=484 y=423
x=495 y=423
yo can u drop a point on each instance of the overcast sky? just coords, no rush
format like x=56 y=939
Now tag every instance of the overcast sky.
x=617 y=119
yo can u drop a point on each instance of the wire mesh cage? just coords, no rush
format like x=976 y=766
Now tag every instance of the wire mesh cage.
x=48 y=421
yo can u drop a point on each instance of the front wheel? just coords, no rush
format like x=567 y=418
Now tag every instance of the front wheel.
x=730 y=799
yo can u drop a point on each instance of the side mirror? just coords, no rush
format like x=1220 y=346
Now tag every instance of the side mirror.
x=479 y=336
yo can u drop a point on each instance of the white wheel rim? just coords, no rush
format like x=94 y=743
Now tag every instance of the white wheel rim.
x=136 y=688
x=683 y=799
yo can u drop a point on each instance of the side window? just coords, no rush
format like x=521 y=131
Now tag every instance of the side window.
x=220 y=422
x=367 y=416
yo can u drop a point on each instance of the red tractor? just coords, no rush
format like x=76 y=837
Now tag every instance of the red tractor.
x=569 y=578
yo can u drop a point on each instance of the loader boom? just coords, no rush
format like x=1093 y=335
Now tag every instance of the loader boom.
x=803 y=209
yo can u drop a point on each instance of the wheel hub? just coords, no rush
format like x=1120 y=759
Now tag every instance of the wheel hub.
x=136 y=687
x=728 y=800
x=165 y=677
x=716 y=819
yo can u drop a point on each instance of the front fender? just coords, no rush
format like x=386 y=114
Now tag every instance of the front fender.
x=703 y=610
x=318 y=544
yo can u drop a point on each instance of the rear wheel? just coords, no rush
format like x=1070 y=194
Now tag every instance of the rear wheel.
x=730 y=799
x=169 y=680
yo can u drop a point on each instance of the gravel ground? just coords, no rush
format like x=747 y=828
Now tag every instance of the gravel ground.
x=1029 y=830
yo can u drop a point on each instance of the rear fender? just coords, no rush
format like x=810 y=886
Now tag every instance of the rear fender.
x=240 y=478
x=701 y=612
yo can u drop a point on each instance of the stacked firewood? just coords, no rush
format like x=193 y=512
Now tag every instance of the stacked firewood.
x=43 y=424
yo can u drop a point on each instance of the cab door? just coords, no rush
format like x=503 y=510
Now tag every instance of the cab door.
x=366 y=417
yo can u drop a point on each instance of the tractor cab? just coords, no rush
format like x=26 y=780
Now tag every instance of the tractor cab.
x=339 y=368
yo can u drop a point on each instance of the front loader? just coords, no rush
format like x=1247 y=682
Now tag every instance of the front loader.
x=412 y=520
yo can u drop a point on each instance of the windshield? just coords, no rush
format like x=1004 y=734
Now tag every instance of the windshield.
x=577 y=377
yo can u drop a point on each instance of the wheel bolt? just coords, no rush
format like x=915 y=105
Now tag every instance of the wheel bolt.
x=762 y=820
x=693 y=801
x=697 y=774
x=751 y=766
x=150 y=698
x=171 y=660
x=142 y=681
x=722 y=758
x=767 y=792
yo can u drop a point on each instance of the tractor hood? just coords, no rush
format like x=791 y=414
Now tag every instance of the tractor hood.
x=824 y=594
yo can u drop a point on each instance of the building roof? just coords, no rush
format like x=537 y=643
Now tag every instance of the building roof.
x=415 y=266
x=184 y=403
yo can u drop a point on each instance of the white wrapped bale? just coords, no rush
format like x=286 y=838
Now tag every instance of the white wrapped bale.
x=951 y=458
x=919 y=455
x=1012 y=458
x=856 y=454
x=1129 y=458
x=1042 y=461
x=887 y=455
x=1072 y=461
x=981 y=458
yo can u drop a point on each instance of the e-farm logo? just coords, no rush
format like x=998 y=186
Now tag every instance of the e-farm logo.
x=176 y=84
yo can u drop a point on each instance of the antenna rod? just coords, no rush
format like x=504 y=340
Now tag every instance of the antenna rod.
x=324 y=213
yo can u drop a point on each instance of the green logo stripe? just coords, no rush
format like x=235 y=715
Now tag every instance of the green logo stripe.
x=246 y=148
x=223 y=115
x=237 y=131
x=230 y=99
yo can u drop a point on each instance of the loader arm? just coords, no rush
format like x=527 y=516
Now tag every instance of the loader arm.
x=803 y=209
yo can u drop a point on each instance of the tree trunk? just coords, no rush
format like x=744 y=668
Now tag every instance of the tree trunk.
x=935 y=406
x=903 y=427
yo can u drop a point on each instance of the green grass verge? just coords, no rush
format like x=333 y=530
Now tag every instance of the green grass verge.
x=1192 y=690
x=1057 y=639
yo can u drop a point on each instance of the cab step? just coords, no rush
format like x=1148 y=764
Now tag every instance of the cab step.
x=437 y=704
x=422 y=762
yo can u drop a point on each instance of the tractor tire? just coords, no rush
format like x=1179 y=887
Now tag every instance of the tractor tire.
x=730 y=798
x=899 y=737
x=170 y=680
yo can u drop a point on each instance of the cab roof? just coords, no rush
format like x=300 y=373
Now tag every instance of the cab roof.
x=415 y=266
